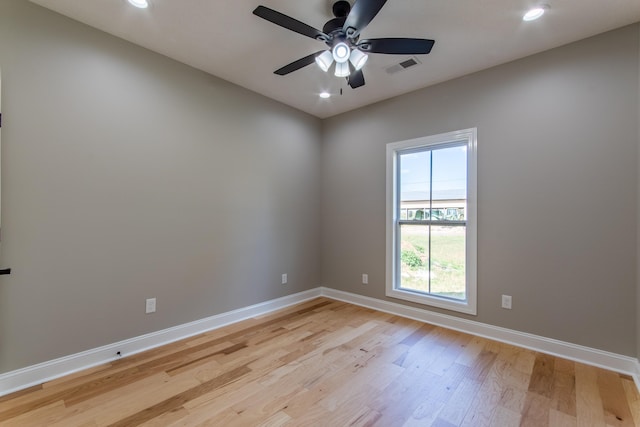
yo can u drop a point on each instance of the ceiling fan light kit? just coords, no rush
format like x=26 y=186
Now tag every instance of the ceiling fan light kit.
x=342 y=35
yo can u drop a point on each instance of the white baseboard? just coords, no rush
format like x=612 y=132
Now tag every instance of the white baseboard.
x=47 y=371
x=590 y=356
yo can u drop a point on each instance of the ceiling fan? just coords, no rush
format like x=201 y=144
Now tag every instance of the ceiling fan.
x=342 y=35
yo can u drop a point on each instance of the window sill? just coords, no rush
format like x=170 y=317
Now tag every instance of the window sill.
x=466 y=307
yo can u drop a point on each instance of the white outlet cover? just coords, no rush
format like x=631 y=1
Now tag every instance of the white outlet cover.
x=365 y=279
x=150 y=305
x=506 y=302
x=284 y=278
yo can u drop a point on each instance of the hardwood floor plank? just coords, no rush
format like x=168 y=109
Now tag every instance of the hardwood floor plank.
x=453 y=344
x=563 y=396
x=616 y=408
x=513 y=400
x=536 y=410
x=395 y=404
x=525 y=361
x=117 y=403
x=482 y=366
x=589 y=408
x=542 y=377
x=12 y=408
x=417 y=335
x=41 y=416
x=296 y=372
x=78 y=377
x=329 y=363
x=279 y=419
x=176 y=402
x=471 y=351
x=439 y=422
x=560 y=419
x=348 y=384
x=504 y=417
x=166 y=418
x=487 y=400
x=458 y=405
x=297 y=381
x=366 y=417
x=341 y=381
x=215 y=405
x=633 y=398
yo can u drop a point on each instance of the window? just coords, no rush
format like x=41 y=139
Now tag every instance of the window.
x=431 y=220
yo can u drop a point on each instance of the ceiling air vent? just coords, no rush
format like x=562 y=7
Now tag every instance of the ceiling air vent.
x=403 y=65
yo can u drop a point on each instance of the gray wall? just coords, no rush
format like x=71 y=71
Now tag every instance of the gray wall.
x=127 y=175
x=557 y=188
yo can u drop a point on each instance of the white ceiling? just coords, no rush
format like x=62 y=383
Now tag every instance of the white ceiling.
x=225 y=39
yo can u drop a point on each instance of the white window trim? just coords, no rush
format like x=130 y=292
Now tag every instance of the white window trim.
x=469 y=305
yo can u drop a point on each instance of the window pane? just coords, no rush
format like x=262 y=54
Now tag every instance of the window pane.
x=449 y=183
x=415 y=174
x=448 y=261
x=432 y=260
x=414 y=257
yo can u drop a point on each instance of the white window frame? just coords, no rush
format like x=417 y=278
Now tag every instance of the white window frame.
x=469 y=305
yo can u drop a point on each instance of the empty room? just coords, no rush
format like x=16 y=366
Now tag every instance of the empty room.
x=319 y=213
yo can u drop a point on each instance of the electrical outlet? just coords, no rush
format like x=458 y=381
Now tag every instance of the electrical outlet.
x=365 y=279
x=150 y=306
x=284 y=278
x=506 y=302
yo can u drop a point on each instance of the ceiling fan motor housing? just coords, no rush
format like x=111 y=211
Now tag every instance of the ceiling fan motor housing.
x=334 y=24
x=341 y=9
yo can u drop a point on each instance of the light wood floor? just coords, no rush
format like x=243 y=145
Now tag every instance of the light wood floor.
x=328 y=363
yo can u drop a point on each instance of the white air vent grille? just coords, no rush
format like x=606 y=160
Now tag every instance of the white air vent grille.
x=403 y=65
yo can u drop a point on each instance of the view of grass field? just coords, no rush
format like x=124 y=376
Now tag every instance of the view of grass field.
x=447 y=275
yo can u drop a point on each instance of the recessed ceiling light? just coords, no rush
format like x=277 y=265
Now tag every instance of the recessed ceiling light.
x=535 y=13
x=325 y=95
x=142 y=4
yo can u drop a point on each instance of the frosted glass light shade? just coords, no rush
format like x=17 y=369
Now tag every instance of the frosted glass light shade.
x=324 y=60
x=358 y=59
x=342 y=69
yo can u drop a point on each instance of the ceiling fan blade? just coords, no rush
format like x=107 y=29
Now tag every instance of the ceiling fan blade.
x=289 y=23
x=362 y=12
x=296 y=65
x=356 y=79
x=397 y=46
